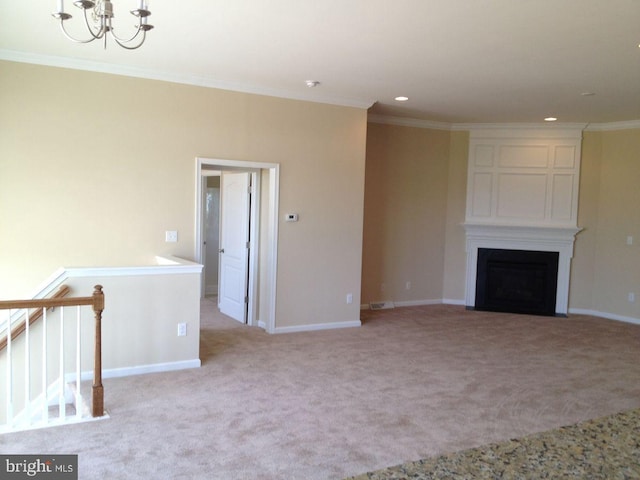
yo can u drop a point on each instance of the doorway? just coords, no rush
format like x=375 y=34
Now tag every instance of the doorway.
x=211 y=242
x=263 y=228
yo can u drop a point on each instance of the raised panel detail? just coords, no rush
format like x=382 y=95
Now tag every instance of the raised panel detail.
x=524 y=156
x=522 y=196
x=522 y=176
x=484 y=156
x=564 y=156
x=482 y=195
x=562 y=203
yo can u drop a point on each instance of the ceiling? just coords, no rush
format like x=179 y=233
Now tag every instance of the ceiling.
x=458 y=61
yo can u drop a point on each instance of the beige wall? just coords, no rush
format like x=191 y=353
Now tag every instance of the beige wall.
x=405 y=213
x=94 y=168
x=455 y=256
x=583 y=262
x=145 y=307
x=616 y=265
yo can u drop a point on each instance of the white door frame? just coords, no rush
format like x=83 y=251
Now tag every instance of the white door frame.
x=267 y=292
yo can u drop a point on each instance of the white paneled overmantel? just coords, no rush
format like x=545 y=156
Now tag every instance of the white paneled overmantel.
x=522 y=194
x=526 y=176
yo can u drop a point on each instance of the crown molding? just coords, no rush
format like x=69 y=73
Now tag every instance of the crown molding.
x=587 y=127
x=528 y=130
x=519 y=126
x=408 y=122
x=185 y=79
x=604 y=127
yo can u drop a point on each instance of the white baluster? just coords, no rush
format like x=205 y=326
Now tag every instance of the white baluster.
x=78 y=394
x=9 y=376
x=27 y=365
x=45 y=407
x=61 y=403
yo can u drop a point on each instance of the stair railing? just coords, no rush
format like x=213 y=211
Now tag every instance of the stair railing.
x=96 y=301
x=19 y=320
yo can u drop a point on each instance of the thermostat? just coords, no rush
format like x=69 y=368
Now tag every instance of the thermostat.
x=291 y=217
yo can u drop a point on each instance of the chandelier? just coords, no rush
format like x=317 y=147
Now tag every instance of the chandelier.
x=98 y=17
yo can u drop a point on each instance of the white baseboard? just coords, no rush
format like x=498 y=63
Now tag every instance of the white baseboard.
x=318 y=326
x=153 y=368
x=138 y=370
x=416 y=303
x=453 y=301
x=608 y=316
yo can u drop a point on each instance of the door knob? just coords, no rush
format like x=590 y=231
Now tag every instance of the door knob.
x=221 y=250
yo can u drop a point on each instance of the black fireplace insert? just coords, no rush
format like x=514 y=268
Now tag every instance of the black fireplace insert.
x=517 y=281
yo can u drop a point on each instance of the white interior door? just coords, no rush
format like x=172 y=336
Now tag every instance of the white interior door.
x=234 y=238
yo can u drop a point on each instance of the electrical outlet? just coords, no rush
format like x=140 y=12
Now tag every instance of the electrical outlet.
x=631 y=297
x=407 y=286
x=349 y=298
x=171 y=236
x=182 y=329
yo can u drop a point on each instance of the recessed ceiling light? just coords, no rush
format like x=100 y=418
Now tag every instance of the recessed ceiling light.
x=550 y=119
x=401 y=99
x=312 y=83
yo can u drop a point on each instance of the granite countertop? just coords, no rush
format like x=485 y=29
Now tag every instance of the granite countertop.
x=606 y=448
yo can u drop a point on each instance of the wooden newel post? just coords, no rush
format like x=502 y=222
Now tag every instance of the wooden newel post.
x=97 y=392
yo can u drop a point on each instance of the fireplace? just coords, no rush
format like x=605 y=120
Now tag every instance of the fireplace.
x=555 y=240
x=517 y=281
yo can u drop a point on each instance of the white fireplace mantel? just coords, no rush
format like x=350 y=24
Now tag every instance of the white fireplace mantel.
x=521 y=237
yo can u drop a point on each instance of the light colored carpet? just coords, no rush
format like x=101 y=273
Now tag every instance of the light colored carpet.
x=410 y=383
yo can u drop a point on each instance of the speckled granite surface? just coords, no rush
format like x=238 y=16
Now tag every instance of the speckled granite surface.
x=606 y=448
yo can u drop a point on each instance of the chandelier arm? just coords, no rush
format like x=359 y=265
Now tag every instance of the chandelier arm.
x=123 y=40
x=66 y=34
x=141 y=15
x=124 y=44
x=101 y=32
